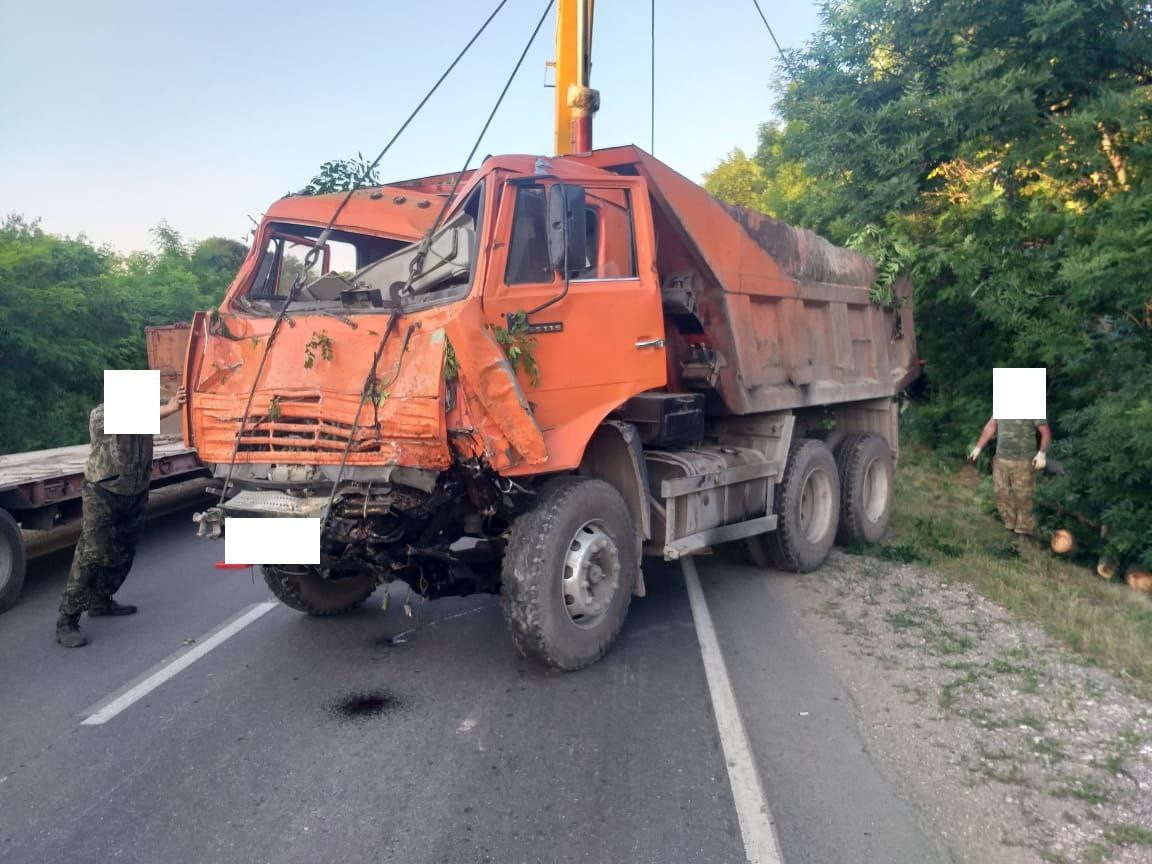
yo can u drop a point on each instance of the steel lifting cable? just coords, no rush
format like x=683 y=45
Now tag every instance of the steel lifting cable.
x=492 y=114
x=322 y=239
x=779 y=50
x=418 y=260
x=370 y=379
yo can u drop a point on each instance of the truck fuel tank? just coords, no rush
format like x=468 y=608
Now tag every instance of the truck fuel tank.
x=702 y=491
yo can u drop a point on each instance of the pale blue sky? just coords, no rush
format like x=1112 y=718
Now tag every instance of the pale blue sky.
x=120 y=113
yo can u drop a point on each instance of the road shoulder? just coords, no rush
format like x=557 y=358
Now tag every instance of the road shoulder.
x=1015 y=748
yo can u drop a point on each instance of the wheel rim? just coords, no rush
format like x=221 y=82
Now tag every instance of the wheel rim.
x=875 y=491
x=591 y=575
x=816 y=506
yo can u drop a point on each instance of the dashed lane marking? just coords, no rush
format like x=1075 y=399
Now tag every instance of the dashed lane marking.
x=134 y=691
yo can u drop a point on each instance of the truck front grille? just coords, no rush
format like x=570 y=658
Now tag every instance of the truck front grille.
x=299 y=427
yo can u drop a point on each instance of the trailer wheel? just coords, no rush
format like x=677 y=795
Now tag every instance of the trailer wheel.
x=864 y=463
x=303 y=588
x=807 y=509
x=12 y=561
x=568 y=573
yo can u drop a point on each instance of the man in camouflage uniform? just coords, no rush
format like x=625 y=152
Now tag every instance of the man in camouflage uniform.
x=1017 y=458
x=116 y=480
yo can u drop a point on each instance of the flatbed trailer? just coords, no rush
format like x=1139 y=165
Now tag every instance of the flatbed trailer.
x=41 y=490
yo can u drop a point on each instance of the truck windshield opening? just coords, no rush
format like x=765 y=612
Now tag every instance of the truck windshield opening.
x=356 y=270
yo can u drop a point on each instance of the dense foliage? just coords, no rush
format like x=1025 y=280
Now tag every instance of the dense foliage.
x=68 y=311
x=340 y=175
x=1005 y=146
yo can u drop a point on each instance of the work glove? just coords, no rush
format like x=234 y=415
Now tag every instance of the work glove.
x=1039 y=460
x=974 y=455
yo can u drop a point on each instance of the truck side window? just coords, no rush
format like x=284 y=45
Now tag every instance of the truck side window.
x=265 y=284
x=591 y=243
x=528 y=248
x=283 y=261
x=611 y=252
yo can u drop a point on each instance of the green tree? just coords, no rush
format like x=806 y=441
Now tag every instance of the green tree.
x=1008 y=145
x=737 y=180
x=340 y=175
x=68 y=311
x=55 y=320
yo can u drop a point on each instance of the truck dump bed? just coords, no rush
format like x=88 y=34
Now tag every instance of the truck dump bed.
x=786 y=317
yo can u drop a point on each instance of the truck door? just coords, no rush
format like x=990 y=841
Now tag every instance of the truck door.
x=599 y=339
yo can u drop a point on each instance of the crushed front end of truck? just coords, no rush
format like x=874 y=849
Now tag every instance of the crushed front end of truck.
x=381 y=403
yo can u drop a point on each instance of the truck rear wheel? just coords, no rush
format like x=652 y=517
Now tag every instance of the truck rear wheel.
x=568 y=573
x=807 y=510
x=12 y=561
x=864 y=463
x=304 y=588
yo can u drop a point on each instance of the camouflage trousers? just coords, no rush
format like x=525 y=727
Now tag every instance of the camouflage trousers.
x=107 y=546
x=1014 y=481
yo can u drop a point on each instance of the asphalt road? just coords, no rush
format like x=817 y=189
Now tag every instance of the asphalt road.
x=373 y=737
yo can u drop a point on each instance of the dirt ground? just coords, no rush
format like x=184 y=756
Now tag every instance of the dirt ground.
x=1016 y=748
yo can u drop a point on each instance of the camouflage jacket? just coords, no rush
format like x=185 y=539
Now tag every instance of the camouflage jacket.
x=119 y=463
x=1016 y=439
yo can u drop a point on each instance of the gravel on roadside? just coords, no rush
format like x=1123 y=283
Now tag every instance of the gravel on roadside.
x=1015 y=747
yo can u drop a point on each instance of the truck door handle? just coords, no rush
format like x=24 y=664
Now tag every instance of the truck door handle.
x=650 y=343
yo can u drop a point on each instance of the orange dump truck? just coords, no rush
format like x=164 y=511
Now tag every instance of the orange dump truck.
x=590 y=360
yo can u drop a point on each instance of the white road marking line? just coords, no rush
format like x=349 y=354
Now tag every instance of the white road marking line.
x=167 y=669
x=757 y=827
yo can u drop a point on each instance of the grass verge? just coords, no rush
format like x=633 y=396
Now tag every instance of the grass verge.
x=945 y=519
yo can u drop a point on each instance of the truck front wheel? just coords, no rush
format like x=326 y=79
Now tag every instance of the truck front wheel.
x=568 y=573
x=12 y=560
x=305 y=589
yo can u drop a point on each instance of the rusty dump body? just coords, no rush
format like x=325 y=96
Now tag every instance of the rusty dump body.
x=786 y=313
x=675 y=346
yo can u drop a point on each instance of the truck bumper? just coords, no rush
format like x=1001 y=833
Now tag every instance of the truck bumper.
x=259 y=504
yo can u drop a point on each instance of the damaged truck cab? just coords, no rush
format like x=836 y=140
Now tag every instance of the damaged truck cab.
x=585 y=360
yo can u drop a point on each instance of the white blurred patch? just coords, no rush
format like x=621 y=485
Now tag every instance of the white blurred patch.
x=287 y=540
x=1019 y=394
x=132 y=401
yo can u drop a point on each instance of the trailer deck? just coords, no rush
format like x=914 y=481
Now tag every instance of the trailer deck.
x=40 y=491
x=31 y=482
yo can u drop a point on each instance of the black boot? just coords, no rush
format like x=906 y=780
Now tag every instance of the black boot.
x=106 y=606
x=68 y=631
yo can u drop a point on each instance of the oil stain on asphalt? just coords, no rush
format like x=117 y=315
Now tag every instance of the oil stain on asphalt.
x=357 y=706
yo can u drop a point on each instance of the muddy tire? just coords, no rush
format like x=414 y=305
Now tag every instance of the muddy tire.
x=807 y=509
x=302 y=588
x=568 y=573
x=866 y=471
x=12 y=561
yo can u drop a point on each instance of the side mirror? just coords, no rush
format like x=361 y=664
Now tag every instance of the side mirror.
x=566 y=228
